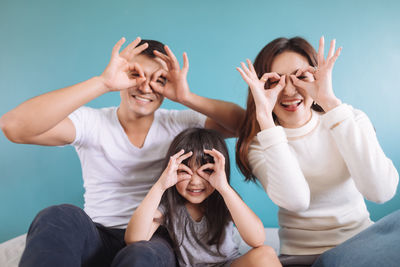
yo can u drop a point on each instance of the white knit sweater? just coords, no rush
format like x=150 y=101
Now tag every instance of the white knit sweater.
x=319 y=174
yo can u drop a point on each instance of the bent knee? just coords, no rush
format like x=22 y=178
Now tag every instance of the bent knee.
x=146 y=253
x=265 y=250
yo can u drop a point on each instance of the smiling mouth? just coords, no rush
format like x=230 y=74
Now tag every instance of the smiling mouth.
x=196 y=191
x=142 y=99
x=291 y=105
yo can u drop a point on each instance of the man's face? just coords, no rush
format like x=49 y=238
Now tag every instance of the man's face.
x=141 y=100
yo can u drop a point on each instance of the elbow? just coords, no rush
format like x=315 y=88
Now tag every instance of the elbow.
x=294 y=203
x=382 y=196
x=8 y=131
x=257 y=240
x=298 y=206
x=384 y=191
x=13 y=130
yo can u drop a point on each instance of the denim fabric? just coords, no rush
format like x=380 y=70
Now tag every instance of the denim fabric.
x=64 y=235
x=376 y=246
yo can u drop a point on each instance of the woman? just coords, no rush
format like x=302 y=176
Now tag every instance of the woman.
x=316 y=157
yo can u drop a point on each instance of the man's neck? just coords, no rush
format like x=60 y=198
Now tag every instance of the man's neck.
x=136 y=128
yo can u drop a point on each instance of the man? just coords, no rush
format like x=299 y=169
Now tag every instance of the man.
x=121 y=151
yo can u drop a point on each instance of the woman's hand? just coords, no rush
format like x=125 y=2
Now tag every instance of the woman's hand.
x=214 y=173
x=176 y=87
x=121 y=72
x=170 y=175
x=265 y=92
x=320 y=89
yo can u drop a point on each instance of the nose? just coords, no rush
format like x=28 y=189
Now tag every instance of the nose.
x=144 y=87
x=196 y=179
x=289 y=89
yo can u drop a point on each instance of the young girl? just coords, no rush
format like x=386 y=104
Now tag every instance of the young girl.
x=317 y=159
x=194 y=201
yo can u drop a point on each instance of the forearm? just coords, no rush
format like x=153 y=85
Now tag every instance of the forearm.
x=140 y=224
x=275 y=165
x=373 y=173
x=41 y=113
x=228 y=115
x=248 y=224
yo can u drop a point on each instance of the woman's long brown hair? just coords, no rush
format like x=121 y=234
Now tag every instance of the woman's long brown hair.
x=262 y=64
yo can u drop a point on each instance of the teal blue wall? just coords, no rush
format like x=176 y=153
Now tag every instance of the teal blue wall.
x=46 y=45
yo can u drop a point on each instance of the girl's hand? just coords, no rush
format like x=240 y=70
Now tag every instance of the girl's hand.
x=170 y=175
x=121 y=72
x=265 y=90
x=214 y=173
x=320 y=89
x=176 y=87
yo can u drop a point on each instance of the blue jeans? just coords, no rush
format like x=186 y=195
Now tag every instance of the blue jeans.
x=64 y=235
x=376 y=246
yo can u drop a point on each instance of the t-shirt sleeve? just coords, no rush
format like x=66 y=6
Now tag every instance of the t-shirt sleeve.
x=84 y=120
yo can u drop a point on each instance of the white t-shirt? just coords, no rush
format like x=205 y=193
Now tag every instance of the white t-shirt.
x=116 y=174
x=319 y=175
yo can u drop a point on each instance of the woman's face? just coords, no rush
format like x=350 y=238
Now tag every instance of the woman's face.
x=293 y=106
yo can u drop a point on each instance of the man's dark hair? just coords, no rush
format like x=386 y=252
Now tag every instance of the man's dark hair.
x=153 y=45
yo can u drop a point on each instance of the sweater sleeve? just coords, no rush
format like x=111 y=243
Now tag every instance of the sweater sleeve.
x=373 y=173
x=276 y=167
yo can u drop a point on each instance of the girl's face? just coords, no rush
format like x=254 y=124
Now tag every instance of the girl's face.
x=196 y=189
x=293 y=106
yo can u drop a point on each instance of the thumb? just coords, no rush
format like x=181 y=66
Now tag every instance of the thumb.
x=299 y=83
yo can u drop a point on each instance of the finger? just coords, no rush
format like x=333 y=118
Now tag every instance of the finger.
x=117 y=47
x=214 y=153
x=335 y=57
x=185 y=168
x=131 y=46
x=164 y=58
x=206 y=166
x=138 y=69
x=174 y=61
x=245 y=69
x=299 y=83
x=269 y=75
x=309 y=69
x=251 y=66
x=221 y=157
x=331 y=49
x=140 y=49
x=185 y=62
x=244 y=76
x=185 y=156
x=321 y=51
x=279 y=87
x=178 y=154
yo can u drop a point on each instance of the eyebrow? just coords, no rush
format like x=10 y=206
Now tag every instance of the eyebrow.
x=294 y=72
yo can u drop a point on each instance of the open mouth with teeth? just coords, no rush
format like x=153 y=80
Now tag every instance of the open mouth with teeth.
x=142 y=99
x=291 y=105
x=195 y=191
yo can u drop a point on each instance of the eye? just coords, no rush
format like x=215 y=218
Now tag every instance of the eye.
x=134 y=74
x=182 y=172
x=161 y=80
x=208 y=171
x=302 y=77
x=271 y=84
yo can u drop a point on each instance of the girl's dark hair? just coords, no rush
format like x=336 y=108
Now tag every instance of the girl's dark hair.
x=153 y=45
x=262 y=64
x=215 y=210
